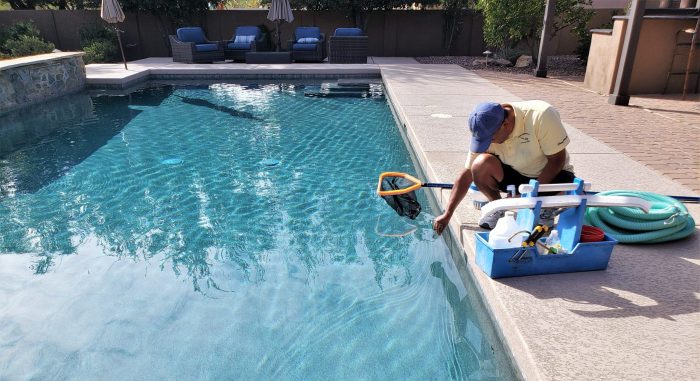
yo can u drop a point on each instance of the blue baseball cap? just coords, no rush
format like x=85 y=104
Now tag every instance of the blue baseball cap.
x=484 y=121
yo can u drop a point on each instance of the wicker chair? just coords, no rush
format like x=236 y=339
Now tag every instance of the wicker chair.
x=192 y=46
x=308 y=50
x=347 y=45
x=245 y=39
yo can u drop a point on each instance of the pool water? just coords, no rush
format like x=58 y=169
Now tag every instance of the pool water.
x=223 y=231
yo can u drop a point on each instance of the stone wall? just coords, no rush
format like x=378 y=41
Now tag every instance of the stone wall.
x=30 y=80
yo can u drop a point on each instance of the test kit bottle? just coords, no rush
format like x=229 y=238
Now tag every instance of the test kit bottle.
x=552 y=242
x=506 y=229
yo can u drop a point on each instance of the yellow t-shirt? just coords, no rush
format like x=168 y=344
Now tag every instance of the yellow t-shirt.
x=538 y=132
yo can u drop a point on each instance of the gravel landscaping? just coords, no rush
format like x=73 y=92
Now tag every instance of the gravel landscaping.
x=557 y=66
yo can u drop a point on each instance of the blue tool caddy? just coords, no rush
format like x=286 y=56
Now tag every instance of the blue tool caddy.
x=518 y=261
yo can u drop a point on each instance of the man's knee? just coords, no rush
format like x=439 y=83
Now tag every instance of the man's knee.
x=486 y=168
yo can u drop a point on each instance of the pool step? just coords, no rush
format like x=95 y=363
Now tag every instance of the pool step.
x=347 y=89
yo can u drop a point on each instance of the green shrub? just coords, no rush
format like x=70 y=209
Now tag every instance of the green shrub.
x=92 y=32
x=99 y=44
x=21 y=39
x=17 y=30
x=99 y=51
x=28 y=45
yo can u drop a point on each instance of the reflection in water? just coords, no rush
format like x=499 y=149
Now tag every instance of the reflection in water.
x=40 y=144
x=282 y=263
x=218 y=205
x=469 y=347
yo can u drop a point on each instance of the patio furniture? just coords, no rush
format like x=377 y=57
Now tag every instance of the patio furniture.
x=192 y=46
x=245 y=39
x=268 y=57
x=308 y=44
x=347 y=45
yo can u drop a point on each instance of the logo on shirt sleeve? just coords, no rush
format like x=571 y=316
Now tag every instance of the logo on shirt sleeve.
x=566 y=139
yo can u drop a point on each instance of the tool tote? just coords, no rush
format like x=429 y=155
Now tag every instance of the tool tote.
x=575 y=256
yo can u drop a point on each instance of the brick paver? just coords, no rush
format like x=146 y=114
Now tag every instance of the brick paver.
x=659 y=131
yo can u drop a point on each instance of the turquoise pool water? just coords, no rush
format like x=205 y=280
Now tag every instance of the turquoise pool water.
x=223 y=232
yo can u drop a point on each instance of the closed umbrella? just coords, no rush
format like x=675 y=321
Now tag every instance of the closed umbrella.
x=280 y=10
x=112 y=13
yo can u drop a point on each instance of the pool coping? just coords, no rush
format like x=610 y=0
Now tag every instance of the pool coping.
x=111 y=76
x=541 y=351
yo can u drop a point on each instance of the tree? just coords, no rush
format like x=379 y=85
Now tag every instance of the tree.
x=178 y=12
x=453 y=13
x=24 y=4
x=242 y=4
x=507 y=22
x=357 y=9
x=60 y=4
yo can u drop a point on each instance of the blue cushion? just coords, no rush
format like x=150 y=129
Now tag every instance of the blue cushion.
x=348 y=32
x=308 y=40
x=247 y=31
x=238 y=45
x=307 y=31
x=194 y=34
x=304 y=46
x=244 y=39
x=206 y=47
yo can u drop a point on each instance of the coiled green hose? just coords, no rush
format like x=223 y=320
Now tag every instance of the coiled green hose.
x=667 y=220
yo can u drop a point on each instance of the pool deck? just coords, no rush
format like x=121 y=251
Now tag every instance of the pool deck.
x=637 y=320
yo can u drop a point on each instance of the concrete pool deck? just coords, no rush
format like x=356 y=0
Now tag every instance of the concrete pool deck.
x=637 y=320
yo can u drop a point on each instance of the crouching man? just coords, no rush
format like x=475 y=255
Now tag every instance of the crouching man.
x=511 y=143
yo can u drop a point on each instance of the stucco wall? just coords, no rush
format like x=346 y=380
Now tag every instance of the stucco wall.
x=604 y=58
x=29 y=80
x=656 y=55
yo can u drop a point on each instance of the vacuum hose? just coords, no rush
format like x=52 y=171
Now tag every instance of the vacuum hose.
x=668 y=219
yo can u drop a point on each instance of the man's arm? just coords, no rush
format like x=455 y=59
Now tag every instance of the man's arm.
x=554 y=165
x=459 y=190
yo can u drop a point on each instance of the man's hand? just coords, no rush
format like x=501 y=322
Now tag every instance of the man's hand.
x=456 y=196
x=441 y=222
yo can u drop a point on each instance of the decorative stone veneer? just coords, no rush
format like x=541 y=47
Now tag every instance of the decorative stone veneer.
x=30 y=80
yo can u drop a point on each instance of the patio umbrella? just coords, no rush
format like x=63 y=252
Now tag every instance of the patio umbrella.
x=112 y=13
x=280 y=10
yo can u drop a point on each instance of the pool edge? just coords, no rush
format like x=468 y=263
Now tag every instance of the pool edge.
x=519 y=368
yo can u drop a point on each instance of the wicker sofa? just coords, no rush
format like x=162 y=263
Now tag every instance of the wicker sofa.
x=190 y=45
x=245 y=39
x=347 y=45
x=309 y=44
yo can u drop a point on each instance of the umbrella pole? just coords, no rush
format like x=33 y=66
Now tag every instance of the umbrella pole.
x=120 y=47
x=279 y=38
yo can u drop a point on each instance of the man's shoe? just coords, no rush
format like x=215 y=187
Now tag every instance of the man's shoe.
x=489 y=221
x=547 y=217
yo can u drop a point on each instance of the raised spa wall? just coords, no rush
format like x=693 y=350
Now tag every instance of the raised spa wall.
x=31 y=80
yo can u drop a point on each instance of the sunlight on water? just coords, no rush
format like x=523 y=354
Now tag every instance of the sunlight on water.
x=222 y=232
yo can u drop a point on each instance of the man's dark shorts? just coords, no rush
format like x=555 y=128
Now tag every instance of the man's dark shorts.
x=513 y=177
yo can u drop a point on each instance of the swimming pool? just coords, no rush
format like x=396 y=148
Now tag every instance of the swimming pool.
x=225 y=231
